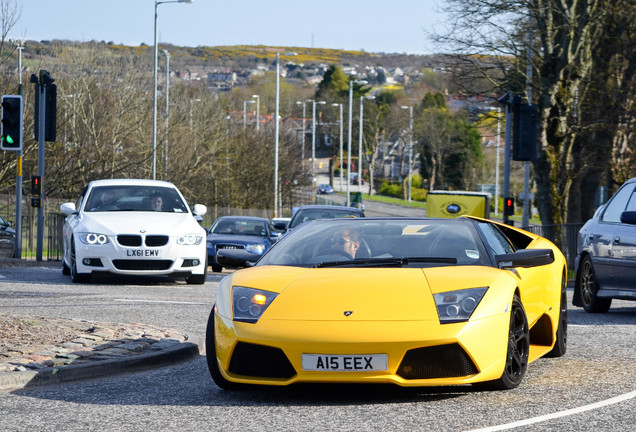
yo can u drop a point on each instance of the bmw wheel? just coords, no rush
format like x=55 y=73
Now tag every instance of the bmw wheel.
x=75 y=276
x=65 y=269
x=588 y=288
x=198 y=279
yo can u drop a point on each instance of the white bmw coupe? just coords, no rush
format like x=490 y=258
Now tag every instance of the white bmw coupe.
x=133 y=227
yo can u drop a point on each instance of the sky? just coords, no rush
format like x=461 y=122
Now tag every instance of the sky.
x=387 y=26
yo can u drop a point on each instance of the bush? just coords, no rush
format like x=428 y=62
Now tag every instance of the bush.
x=395 y=190
x=391 y=189
x=419 y=194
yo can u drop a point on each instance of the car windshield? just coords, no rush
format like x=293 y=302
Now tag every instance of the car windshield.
x=134 y=198
x=227 y=226
x=304 y=215
x=374 y=243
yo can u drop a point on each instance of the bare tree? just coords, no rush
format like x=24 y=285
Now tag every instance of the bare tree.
x=496 y=40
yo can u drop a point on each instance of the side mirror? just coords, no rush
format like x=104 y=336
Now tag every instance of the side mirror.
x=233 y=258
x=525 y=258
x=199 y=209
x=281 y=226
x=67 y=208
x=628 y=217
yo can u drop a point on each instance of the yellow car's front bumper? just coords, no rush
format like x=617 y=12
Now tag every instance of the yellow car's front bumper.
x=419 y=353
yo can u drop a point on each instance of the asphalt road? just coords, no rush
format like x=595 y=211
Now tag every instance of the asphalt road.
x=591 y=388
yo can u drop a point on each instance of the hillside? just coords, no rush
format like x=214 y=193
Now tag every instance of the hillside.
x=235 y=57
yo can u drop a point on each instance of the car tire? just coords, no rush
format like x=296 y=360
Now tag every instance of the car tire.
x=518 y=349
x=66 y=270
x=560 y=345
x=213 y=365
x=75 y=276
x=198 y=279
x=217 y=268
x=587 y=285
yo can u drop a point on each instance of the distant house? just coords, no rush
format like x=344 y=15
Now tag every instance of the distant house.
x=222 y=79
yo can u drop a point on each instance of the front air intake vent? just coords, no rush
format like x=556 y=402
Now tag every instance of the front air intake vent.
x=122 y=264
x=442 y=361
x=260 y=361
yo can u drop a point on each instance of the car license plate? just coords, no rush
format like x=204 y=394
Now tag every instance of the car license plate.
x=345 y=363
x=150 y=253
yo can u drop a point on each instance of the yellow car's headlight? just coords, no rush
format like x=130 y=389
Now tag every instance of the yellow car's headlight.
x=458 y=306
x=248 y=304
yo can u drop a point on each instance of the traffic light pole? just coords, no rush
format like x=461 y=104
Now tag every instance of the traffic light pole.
x=507 y=145
x=17 y=249
x=41 y=88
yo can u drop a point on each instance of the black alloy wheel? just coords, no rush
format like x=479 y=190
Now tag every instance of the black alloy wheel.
x=518 y=349
x=560 y=344
x=213 y=365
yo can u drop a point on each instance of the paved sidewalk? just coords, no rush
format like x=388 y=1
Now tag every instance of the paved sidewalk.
x=82 y=349
x=37 y=350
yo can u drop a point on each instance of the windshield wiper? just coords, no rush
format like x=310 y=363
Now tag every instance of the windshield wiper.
x=386 y=262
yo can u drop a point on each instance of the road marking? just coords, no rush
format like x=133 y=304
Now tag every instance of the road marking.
x=164 y=301
x=593 y=406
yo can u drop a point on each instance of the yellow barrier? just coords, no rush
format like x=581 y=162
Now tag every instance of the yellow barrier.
x=452 y=204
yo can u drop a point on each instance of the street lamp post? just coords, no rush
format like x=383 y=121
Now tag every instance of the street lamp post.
x=245 y=112
x=341 y=130
x=302 y=140
x=349 y=136
x=154 y=91
x=258 y=109
x=165 y=146
x=410 y=108
x=362 y=98
x=313 y=140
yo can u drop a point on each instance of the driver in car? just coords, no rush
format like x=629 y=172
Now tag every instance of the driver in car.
x=106 y=201
x=346 y=240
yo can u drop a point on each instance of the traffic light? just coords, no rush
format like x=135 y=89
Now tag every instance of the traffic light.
x=11 y=135
x=50 y=110
x=36 y=185
x=36 y=202
x=509 y=206
x=524 y=131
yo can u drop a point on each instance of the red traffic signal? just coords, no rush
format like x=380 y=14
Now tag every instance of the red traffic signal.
x=36 y=185
x=509 y=206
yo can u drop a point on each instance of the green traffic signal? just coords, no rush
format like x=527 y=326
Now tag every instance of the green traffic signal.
x=11 y=124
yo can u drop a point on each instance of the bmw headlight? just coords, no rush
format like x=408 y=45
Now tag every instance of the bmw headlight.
x=248 y=304
x=189 y=239
x=458 y=306
x=93 y=238
x=255 y=248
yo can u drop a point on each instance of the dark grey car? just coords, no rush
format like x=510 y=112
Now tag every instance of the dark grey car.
x=7 y=239
x=606 y=259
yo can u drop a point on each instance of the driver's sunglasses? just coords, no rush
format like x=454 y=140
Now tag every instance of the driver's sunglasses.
x=341 y=241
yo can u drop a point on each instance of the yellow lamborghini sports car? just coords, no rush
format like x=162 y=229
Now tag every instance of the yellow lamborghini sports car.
x=413 y=302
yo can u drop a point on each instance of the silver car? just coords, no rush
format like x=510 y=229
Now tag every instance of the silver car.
x=606 y=259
